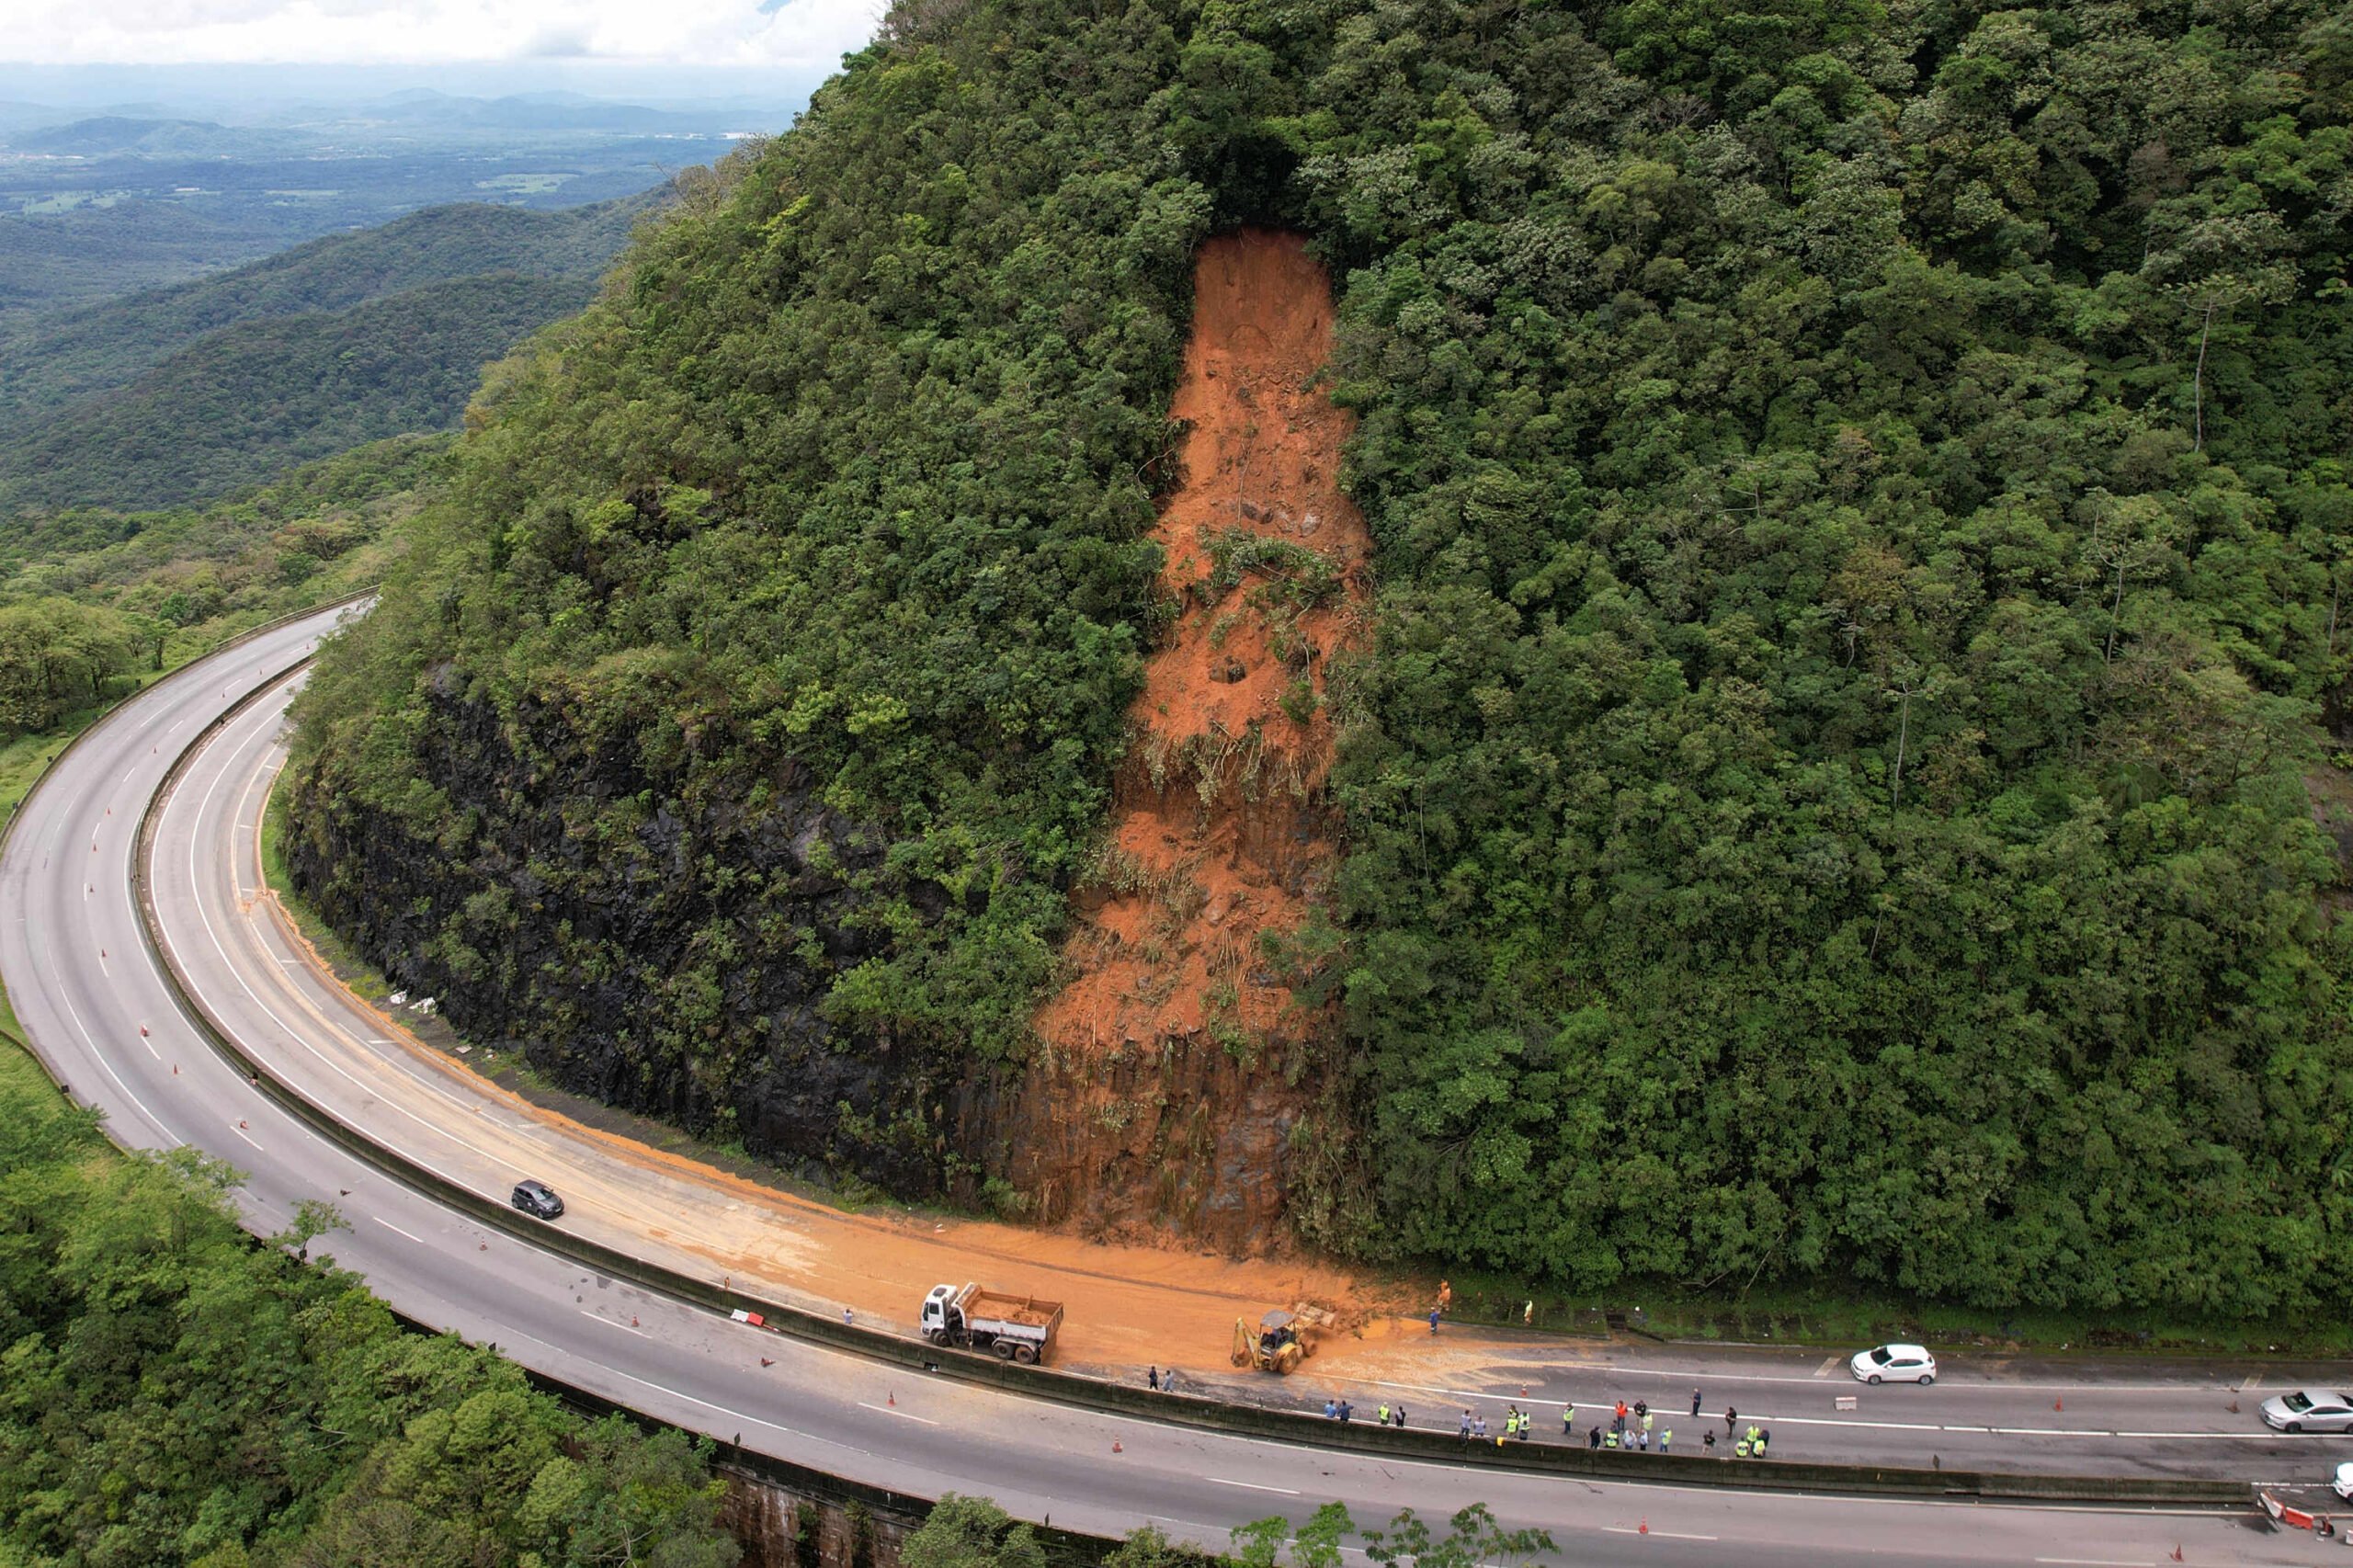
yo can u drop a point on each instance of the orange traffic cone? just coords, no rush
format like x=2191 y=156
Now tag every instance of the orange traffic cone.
x=1645 y=1528
x=765 y=1362
x=1116 y=1447
x=2058 y=1404
x=893 y=1400
x=632 y=1322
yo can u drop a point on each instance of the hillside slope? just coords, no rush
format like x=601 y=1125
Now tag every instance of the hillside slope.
x=253 y=401
x=1858 y=499
x=58 y=359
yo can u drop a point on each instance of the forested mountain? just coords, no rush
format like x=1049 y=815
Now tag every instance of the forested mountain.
x=194 y=392
x=250 y=401
x=57 y=358
x=1859 y=499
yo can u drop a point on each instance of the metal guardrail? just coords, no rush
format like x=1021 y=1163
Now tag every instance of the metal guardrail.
x=1298 y=1428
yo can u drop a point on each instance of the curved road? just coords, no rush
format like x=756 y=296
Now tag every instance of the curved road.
x=108 y=1026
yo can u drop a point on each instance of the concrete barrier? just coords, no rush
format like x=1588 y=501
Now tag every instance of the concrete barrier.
x=1093 y=1394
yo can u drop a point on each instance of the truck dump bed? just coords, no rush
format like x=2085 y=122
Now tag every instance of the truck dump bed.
x=995 y=1306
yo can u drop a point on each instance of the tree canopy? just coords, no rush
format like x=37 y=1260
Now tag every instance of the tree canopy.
x=1837 y=786
x=172 y=1391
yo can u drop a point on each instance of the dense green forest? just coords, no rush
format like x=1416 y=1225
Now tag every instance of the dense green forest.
x=1837 y=789
x=250 y=401
x=92 y=600
x=974 y=1532
x=173 y=1393
x=54 y=359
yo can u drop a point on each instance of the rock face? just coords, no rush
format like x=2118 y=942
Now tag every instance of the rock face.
x=537 y=899
x=1176 y=1063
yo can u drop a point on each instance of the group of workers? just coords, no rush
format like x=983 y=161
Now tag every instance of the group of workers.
x=1626 y=1427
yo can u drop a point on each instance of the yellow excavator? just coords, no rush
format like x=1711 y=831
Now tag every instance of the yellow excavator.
x=1283 y=1340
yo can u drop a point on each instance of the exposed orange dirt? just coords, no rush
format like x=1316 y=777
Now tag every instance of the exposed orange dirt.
x=1168 y=1088
x=1190 y=884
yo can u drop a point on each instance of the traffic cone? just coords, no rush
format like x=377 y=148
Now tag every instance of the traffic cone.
x=1116 y=1447
x=1645 y=1528
x=2058 y=1404
x=142 y=1031
x=632 y=1321
x=2177 y=1553
x=765 y=1362
x=892 y=1401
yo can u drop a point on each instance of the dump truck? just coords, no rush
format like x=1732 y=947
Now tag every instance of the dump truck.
x=1283 y=1340
x=1019 y=1328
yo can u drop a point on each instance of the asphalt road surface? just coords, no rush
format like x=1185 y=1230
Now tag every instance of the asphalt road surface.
x=108 y=1027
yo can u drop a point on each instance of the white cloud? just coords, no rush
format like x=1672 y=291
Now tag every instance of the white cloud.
x=386 y=32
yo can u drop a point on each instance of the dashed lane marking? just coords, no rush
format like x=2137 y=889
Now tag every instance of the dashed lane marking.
x=1669 y=1535
x=902 y=1415
x=611 y=1323
x=1248 y=1486
x=242 y=1133
x=398 y=1232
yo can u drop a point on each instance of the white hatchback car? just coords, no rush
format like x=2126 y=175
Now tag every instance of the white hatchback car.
x=2343 y=1485
x=1896 y=1364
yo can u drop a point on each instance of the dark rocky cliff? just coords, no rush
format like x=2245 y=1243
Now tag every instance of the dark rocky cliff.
x=616 y=933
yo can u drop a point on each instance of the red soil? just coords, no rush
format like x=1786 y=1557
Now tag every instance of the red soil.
x=1218 y=831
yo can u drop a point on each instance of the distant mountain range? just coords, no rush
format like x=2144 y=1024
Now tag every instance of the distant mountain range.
x=193 y=390
x=154 y=129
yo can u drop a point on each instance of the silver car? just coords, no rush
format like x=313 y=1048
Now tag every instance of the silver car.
x=2309 y=1410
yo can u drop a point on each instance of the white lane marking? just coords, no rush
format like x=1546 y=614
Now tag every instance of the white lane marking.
x=611 y=1323
x=150 y=1045
x=2251 y=1382
x=398 y=1232
x=1248 y=1486
x=196 y=883
x=57 y=978
x=1828 y=1366
x=242 y=1133
x=886 y=1410
x=1669 y=1535
x=1689 y=1375
x=2096 y=1562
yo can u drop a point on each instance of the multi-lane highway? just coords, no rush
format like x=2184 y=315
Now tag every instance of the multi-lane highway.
x=103 y=1019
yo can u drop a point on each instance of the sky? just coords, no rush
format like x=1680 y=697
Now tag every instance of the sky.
x=573 y=37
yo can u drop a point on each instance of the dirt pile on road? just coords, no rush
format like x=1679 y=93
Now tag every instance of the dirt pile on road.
x=1174 y=1067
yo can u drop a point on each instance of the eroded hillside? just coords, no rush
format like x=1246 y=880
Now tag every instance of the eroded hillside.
x=1174 y=1062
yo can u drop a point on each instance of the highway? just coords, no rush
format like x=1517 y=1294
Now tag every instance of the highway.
x=108 y=1026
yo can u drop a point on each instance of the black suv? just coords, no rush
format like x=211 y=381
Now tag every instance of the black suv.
x=536 y=1198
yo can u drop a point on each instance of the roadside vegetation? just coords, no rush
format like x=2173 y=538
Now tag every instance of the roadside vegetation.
x=95 y=603
x=177 y=1393
x=1860 y=495
x=974 y=1532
